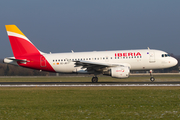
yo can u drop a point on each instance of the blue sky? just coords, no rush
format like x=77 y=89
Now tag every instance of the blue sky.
x=93 y=25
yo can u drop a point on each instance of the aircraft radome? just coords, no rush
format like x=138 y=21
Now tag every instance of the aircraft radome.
x=117 y=64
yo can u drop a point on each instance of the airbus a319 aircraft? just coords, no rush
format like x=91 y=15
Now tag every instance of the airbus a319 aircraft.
x=117 y=64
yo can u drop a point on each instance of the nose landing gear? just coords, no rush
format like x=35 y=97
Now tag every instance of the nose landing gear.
x=151 y=78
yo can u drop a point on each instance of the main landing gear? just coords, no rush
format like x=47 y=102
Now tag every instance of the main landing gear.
x=95 y=79
x=151 y=78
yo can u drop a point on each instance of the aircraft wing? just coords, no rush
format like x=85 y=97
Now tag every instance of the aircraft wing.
x=94 y=66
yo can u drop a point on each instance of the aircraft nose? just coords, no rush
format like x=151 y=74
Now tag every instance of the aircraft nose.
x=174 y=62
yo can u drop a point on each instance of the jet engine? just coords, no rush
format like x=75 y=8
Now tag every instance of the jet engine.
x=118 y=72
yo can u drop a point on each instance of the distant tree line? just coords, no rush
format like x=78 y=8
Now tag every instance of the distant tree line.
x=12 y=70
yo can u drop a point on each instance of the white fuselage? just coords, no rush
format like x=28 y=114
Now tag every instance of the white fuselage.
x=143 y=59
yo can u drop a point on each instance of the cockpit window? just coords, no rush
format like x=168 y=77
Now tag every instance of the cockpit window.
x=165 y=55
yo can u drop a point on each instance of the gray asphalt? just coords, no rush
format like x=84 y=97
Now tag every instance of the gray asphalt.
x=85 y=83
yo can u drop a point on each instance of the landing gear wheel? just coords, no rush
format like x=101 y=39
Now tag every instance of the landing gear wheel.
x=152 y=79
x=95 y=79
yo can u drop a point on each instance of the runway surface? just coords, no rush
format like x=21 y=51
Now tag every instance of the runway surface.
x=85 y=84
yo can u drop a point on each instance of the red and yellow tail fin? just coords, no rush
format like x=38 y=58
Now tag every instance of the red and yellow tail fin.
x=21 y=45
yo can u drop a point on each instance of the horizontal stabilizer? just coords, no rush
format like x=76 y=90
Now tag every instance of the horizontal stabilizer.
x=12 y=60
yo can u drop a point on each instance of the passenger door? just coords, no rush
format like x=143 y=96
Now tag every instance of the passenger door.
x=42 y=61
x=152 y=57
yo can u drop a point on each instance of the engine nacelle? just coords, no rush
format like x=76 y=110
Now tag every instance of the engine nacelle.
x=118 y=72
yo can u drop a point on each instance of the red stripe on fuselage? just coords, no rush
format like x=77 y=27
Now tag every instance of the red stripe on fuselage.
x=33 y=61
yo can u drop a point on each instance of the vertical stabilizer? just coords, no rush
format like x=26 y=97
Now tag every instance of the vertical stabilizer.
x=21 y=45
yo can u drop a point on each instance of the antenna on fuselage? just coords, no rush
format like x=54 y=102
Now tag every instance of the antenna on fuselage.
x=148 y=48
x=72 y=51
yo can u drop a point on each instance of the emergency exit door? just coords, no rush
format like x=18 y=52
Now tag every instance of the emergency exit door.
x=152 y=57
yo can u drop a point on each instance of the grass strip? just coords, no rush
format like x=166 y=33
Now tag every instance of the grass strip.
x=90 y=103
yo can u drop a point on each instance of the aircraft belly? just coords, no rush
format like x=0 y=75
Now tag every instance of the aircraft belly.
x=66 y=68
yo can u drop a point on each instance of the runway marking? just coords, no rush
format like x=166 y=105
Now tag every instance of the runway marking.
x=93 y=85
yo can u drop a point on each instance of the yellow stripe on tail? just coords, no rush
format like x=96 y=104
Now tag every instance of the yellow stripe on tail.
x=14 y=29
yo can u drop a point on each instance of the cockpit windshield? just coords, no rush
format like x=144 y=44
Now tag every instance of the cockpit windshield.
x=165 y=55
